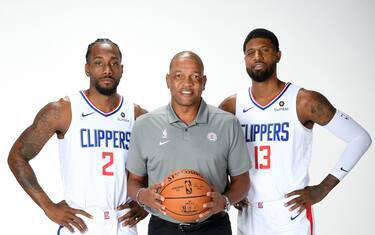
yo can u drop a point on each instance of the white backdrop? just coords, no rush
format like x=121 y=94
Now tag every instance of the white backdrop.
x=327 y=46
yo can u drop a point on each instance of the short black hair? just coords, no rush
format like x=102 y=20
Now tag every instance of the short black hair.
x=262 y=33
x=101 y=41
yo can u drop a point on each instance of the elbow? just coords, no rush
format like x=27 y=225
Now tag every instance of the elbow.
x=367 y=141
x=362 y=140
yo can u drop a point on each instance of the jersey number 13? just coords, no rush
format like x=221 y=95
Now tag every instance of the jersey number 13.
x=262 y=155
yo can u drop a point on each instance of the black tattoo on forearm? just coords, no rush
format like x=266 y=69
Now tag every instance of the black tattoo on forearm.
x=26 y=176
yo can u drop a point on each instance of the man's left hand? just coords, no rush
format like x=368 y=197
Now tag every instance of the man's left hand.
x=133 y=216
x=305 y=197
x=216 y=205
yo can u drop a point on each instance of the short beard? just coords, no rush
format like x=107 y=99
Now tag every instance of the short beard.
x=106 y=91
x=262 y=76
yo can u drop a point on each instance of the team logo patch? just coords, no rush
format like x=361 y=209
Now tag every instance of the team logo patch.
x=106 y=215
x=260 y=204
x=212 y=136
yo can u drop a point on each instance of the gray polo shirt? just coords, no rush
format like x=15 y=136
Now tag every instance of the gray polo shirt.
x=213 y=145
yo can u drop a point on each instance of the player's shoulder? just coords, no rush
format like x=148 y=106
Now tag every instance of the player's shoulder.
x=229 y=104
x=309 y=97
x=60 y=105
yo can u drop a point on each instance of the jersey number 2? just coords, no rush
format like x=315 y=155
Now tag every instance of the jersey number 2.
x=263 y=152
x=108 y=164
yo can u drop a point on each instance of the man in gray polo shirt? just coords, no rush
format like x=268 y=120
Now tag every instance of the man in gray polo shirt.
x=188 y=133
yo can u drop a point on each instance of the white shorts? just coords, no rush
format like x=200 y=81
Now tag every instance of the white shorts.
x=273 y=218
x=104 y=223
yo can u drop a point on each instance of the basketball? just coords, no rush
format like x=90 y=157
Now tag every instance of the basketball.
x=185 y=193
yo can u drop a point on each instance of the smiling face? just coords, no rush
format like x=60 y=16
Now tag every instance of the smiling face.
x=261 y=58
x=104 y=68
x=186 y=80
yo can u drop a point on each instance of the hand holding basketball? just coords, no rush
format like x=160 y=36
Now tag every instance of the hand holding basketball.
x=150 y=197
x=216 y=205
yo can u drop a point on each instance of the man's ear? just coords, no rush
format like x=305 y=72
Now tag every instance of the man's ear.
x=278 y=56
x=204 y=80
x=87 y=71
x=167 y=80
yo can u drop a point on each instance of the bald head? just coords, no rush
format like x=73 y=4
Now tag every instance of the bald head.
x=183 y=55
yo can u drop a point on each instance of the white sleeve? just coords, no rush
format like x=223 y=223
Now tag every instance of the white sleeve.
x=345 y=128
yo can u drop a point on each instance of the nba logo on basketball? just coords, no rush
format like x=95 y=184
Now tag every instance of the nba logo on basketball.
x=188 y=187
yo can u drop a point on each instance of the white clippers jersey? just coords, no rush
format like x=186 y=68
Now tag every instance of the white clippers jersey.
x=93 y=154
x=279 y=145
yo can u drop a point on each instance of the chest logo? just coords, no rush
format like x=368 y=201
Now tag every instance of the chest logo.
x=163 y=142
x=87 y=114
x=212 y=136
x=164 y=138
x=247 y=109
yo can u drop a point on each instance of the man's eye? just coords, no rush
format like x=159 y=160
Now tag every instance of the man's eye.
x=196 y=77
x=250 y=52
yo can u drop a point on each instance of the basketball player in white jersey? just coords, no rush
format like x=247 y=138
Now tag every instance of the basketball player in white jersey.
x=277 y=118
x=94 y=128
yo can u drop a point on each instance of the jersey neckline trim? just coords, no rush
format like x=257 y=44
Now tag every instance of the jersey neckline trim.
x=263 y=107
x=98 y=110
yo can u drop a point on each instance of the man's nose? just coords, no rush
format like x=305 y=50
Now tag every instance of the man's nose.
x=107 y=70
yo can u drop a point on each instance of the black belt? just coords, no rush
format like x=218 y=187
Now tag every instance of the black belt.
x=214 y=220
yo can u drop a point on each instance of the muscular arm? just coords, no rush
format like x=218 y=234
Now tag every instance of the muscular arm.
x=51 y=119
x=229 y=104
x=312 y=107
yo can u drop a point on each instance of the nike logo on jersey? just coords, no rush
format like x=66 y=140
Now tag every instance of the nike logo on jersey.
x=294 y=217
x=245 y=110
x=163 y=142
x=87 y=114
x=343 y=169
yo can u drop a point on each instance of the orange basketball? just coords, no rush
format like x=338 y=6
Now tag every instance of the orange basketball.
x=185 y=193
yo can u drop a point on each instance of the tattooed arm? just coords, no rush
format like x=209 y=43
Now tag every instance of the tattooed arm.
x=52 y=119
x=313 y=107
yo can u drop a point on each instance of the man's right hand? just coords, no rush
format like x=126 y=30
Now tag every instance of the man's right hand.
x=66 y=216
x=241 y=204
x=150 y=197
